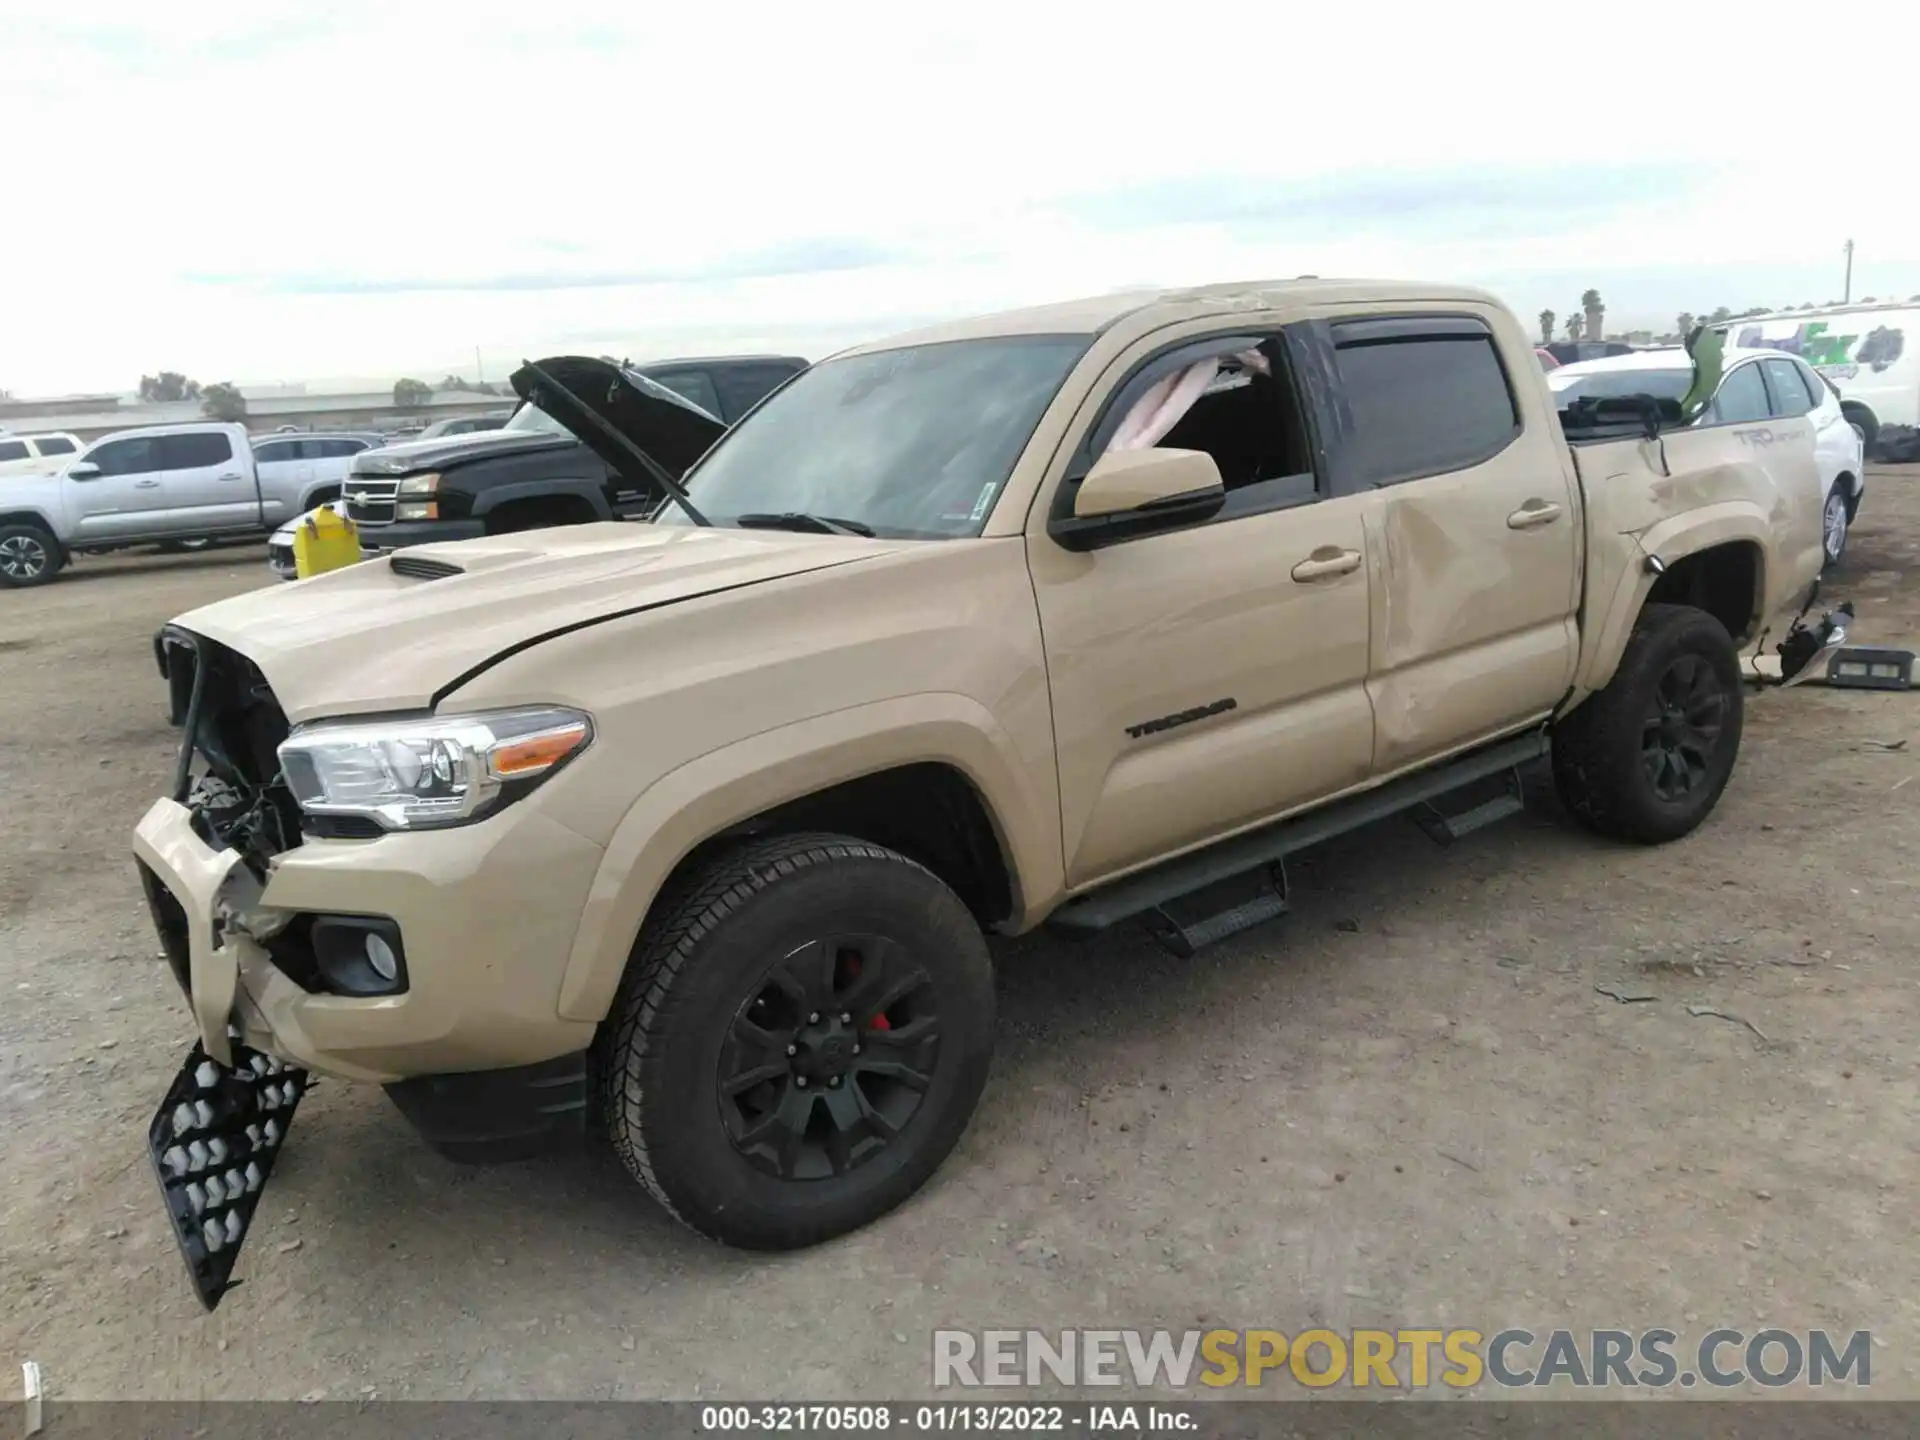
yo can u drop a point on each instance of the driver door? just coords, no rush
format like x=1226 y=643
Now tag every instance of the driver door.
x=125 y=498
x=1209 y=678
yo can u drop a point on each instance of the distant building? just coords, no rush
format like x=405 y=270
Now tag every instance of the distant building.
x=268 y=409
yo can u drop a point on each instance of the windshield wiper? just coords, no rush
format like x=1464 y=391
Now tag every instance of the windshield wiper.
x=652 y=468
x=800 y=520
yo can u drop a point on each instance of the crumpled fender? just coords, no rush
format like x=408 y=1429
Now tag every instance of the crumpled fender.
x=724 y=787
x=1619 y=574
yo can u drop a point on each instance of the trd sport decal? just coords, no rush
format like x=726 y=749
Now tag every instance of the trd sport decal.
x=1184 y=717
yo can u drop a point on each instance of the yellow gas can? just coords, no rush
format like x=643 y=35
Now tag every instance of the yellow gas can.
x=326 y=540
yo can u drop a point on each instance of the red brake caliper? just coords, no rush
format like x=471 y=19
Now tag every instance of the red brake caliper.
x=880 y=1022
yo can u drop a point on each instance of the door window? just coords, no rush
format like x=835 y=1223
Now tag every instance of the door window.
x=694 y=385
x=1423 y=404
x=337 y=449
x=1742 y=398
x=275 y=452
x=54 y=445
x=744 y=386
x=13 y=450
x=194 y=452
x=133 y=456
x=1788 y=391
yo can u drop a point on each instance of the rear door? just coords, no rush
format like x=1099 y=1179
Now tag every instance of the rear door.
x=128 y=495
x=1474 y=533
x=209 y=487
x=1793 y=394
x=283 y=469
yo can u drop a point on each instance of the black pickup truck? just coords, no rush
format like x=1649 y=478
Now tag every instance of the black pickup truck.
x=534 y=472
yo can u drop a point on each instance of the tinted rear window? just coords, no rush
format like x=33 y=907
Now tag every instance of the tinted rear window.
x=54 y=445
x=14 y=450
x=191 y=452
x=1425 y=405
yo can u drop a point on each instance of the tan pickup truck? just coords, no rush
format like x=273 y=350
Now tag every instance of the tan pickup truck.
x=687 y=833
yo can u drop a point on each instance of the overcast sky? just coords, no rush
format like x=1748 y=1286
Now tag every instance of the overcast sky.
x=268 y=192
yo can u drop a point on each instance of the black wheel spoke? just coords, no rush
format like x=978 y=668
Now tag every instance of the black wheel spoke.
x=830 y=1056
x=747 y=1079
x=899 y=1070
x=913 y=1033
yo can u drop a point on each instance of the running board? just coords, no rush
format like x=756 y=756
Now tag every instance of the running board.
x=1187 y=876
x=1443 y=826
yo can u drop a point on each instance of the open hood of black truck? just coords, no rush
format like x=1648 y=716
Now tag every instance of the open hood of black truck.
x=592 y=396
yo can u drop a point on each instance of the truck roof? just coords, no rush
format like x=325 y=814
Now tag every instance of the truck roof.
x=1093 y=314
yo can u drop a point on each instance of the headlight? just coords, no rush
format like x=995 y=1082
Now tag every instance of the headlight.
x=419 y=485
x=433 y=772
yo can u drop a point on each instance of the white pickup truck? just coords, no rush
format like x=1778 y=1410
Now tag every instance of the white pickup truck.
x=169 y=484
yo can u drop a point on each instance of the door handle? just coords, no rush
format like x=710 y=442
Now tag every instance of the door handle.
x=1534 y=512
x=230 y=477
x=1326 y=562
x=146 y=484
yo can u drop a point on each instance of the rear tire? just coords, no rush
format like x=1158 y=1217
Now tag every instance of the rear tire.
x=29 y=556
x=1836 y=519
x=801 y=1038
x=1646 y=758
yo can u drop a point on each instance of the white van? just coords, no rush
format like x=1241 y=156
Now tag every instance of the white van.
x=36 y=454
x=1871 y=353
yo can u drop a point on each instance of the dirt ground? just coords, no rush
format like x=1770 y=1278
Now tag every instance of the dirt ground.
x=1405 y=1105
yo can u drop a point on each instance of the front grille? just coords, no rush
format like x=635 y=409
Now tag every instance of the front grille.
x=419 y=567
x=370 y=502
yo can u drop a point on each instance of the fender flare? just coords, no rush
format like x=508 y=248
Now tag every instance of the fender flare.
x=706 y=796
x=1731 y=522
x=486 y=500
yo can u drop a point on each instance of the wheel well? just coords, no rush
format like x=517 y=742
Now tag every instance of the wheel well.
x=1849 y=486
x=928 y=812
x=27 y=517
x=538 y=512
x=1723 y=580
x=320 y=495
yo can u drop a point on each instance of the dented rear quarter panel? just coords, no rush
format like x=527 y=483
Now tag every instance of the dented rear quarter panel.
x=1685 y=492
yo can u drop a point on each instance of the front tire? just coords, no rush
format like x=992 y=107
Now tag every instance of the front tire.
x=1646 y=758
x=801 y=1038
x=28 y=556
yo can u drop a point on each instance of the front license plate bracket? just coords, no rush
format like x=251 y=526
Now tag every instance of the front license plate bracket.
x=213 y=1143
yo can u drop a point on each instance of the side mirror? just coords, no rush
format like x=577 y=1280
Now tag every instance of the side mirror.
x=1129 y=493
x=83 y=470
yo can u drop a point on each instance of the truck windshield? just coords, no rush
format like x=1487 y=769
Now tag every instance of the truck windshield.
x=533 y=418
x=914 y=443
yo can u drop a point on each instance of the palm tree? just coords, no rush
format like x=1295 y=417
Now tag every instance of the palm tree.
x=1685 y=324
x=1546 y=327
x=1595 y=312
x=1573 y=327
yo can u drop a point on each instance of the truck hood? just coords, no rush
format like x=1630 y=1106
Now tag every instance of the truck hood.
x=396 y=634
x=671 y=429
x=411 y=456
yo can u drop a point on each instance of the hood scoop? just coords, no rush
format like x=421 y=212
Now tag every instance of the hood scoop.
x=420 y=567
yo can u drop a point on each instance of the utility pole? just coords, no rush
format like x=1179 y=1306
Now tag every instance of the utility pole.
x=480 y=370
x=1846 y=295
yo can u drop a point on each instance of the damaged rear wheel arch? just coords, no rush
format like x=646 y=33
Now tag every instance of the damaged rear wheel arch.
x=1723 y=580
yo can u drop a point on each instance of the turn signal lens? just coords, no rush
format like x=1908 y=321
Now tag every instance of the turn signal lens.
x=516 y=759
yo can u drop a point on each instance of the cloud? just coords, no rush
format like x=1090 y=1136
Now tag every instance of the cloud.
x=825 y=256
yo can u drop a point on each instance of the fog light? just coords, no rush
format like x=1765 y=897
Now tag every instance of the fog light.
x=381 y=957
x=359 y=954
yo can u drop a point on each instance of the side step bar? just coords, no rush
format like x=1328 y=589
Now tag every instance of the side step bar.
x=1254 y=860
